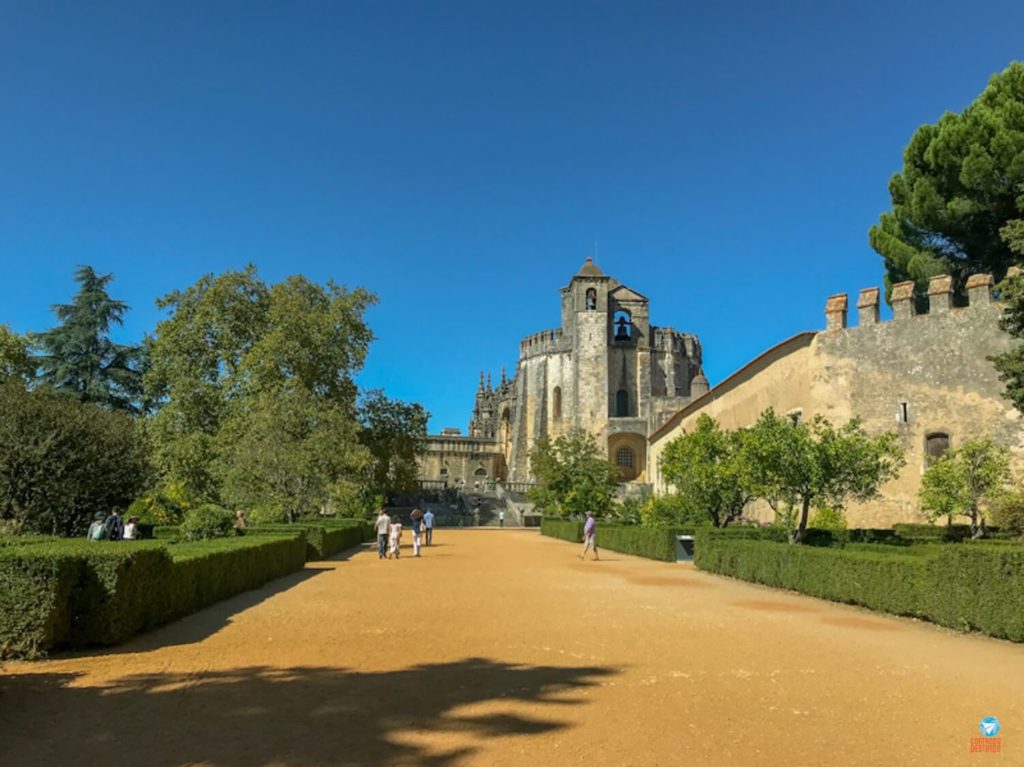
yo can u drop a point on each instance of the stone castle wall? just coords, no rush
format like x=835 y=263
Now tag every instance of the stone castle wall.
x=919 y=376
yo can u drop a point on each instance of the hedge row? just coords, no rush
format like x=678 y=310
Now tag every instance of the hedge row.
x=962 y=587
x=650 y=542
x=565 y=529
x=321 y=542
x=78 y=593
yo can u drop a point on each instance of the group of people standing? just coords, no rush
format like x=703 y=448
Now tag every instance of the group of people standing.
x=113 y=527
x=389 y=533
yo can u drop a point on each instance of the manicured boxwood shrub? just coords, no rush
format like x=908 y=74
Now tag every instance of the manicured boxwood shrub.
x=80 y=593
x=932 y=533
x=35 y=589
x=207 y=572
x=650 y=542
x=321 y=541
x=960 y=586
x=566 y=529
x=166 y=532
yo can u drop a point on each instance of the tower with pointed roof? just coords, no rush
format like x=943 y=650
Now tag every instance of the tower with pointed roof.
x=606 y=370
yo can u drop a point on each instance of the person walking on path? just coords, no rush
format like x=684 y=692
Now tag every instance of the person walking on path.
x=590 y=536
x=417 y=530
x=428 y=525
x=501 y=518
x=395 y=539
x=382 y=525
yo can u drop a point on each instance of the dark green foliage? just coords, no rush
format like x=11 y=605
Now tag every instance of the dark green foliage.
x=394 y=432
x=649 y=542
x=118 y=591
x=573 y=476
x=967 y=587
x=566 y=529
x=35 y=596
x=932 y=533
x=79 y=593
x=62 y=461
x=1010 y=364
x=78 y=355
x=957 y=204
x=166 y=532
x=206 y=522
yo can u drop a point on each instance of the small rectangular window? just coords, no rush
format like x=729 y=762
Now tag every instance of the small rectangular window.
x=903 y=412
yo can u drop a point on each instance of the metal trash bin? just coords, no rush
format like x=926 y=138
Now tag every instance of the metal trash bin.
x=684 y=548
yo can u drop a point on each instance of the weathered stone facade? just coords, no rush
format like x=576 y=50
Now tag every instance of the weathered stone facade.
x=925 y=377
x=606 y=370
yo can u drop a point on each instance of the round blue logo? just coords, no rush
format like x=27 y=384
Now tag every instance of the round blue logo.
x=989 y=726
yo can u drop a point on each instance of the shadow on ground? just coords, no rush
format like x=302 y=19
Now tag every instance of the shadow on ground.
x=297 y=716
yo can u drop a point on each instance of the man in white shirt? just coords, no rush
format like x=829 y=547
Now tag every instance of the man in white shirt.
x=428 y=523
x=382 y=525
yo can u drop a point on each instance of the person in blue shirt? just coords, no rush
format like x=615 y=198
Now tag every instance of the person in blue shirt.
x=590 y=536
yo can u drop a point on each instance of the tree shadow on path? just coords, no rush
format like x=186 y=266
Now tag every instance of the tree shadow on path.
x=281 y=716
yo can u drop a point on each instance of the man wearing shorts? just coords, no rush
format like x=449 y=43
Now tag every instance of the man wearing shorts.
x=590 y=536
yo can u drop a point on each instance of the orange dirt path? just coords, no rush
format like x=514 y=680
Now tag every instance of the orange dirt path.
x=499 y=647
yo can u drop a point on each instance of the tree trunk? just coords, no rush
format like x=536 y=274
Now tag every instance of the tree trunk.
x=977 y=524
x=805 y=510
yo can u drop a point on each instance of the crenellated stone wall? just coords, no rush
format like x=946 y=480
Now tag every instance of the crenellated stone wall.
x=922 y=376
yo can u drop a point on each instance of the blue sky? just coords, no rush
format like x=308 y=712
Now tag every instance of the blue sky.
x=461 y=159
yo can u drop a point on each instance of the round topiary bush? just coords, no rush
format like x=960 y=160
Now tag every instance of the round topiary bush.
x=206 y=522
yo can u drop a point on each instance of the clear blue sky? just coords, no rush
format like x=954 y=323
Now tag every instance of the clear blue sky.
x=460 y=159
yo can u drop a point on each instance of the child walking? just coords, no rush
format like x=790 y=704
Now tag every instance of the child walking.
x=395 y=539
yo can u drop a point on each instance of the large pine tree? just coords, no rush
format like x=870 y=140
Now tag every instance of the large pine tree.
x=78 y=354
x=958 y=204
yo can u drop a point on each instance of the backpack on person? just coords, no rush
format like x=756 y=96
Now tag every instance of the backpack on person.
x=113 y=528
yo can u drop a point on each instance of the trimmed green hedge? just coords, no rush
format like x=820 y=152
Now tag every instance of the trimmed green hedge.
x=962 y=587
x=650 y=542
x=566 y=529
x=932 y=533
x=80 y=593
x=321 y=542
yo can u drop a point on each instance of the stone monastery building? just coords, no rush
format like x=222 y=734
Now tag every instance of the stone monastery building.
x=606 y=370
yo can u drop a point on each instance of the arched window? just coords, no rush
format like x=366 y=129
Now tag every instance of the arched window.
x=481 y=472
x=622 y=404
x=624 y=457
x=556 y=405
x=591 y=299
x=623 y=324
x=936 y=443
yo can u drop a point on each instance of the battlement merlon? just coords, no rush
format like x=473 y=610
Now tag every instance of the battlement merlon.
x=545 y=342
x=903 y=300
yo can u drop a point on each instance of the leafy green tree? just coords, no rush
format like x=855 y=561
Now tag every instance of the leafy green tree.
x=79 y=356
x=958 y=204
x=15 y=361
x=238 y=361
x=813 y=464
x=965 y=481
x=1007 y=511
x=672 y=510
x=287 y=452
x=705 y=468
x=573 y=476
x=63 y=461
x=395 y=433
